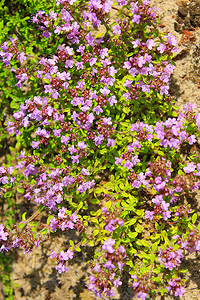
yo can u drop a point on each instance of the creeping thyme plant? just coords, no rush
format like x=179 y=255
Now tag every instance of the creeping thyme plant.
x=99 y=128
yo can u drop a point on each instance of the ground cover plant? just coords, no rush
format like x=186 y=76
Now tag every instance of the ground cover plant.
x=14 y=19
x=100 y=145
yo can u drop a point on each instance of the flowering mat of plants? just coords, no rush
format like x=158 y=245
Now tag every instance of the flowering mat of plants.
x=100 y=143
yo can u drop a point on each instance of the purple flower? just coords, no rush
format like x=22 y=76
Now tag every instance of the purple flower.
x=65 y=139
x=141 y=61
x=3 y=234
x=150 y=44
x=75 y=159
x=105 y=91
x=142 y=295
x=164 y=90
x=69 y=225
x=97 y=268
x=104 y=53
x=4 y=179
x=161 y=48
x=190 y=167
x=171 y=39
x=107 y=121
x=127 y=65
x=112 y=100
x=2 y=170
x=85 y=185
x=97 y=109
x=197 y=245
x=61 y=268
x=85 y=171
x=149 y=214
x=82 y=145
x=198 y=121
x=179 y=291
x=117 y=282
x=57 y=132
x=107 y=246
x=21 y=57
x=110 y=227
x=110 y=142
x=165 y=205
x=122 y=2
x=53 y=224
x=136 y=43
x=35 y=145
x=109 y=265
x=10 y=170
x=66 y=255
x=90 y=118
x=128 y=164
x=53 y=254
x=146 y=88
x=192 y=139
x=136 y=19
x=110 y=293
x=122 y=249
x=96 y=4
x=112 y=71
x=98 y=139
x=135 y=284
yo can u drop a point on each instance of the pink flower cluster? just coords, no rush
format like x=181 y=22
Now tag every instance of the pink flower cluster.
x=106 y=275
x=112 y=219
x=64 y=221
x=142 y=286
x=25 y=239
x=170 y=258
x=176 y=286
x=62 y=258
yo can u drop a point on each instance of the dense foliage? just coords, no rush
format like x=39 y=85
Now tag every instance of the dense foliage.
x=96 y=126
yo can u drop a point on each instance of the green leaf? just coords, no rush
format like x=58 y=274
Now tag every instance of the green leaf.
x=8 y=194
x=71 y=243
x=145 y=243
x=156 y=279
x=108 y=204
x=78 y=249
x=163 y=291
x=43 y=231
x=138 y=228
x=157 y=270
x=139 y=212
x=155 y=237
x=24 y=216
x=145 y=270
x=139 y=243
x=20 y=190
x=154 y=247
x=33 y=224
x=84 y=240
x=131 y=222
x=183 y=270
x=21 y=225
x=194 y=218
x=91 y=243
x=95 y=232
x=132 y=235
x=132 y=251
x=94 y=201
x=80 y=205
x=130 y=263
